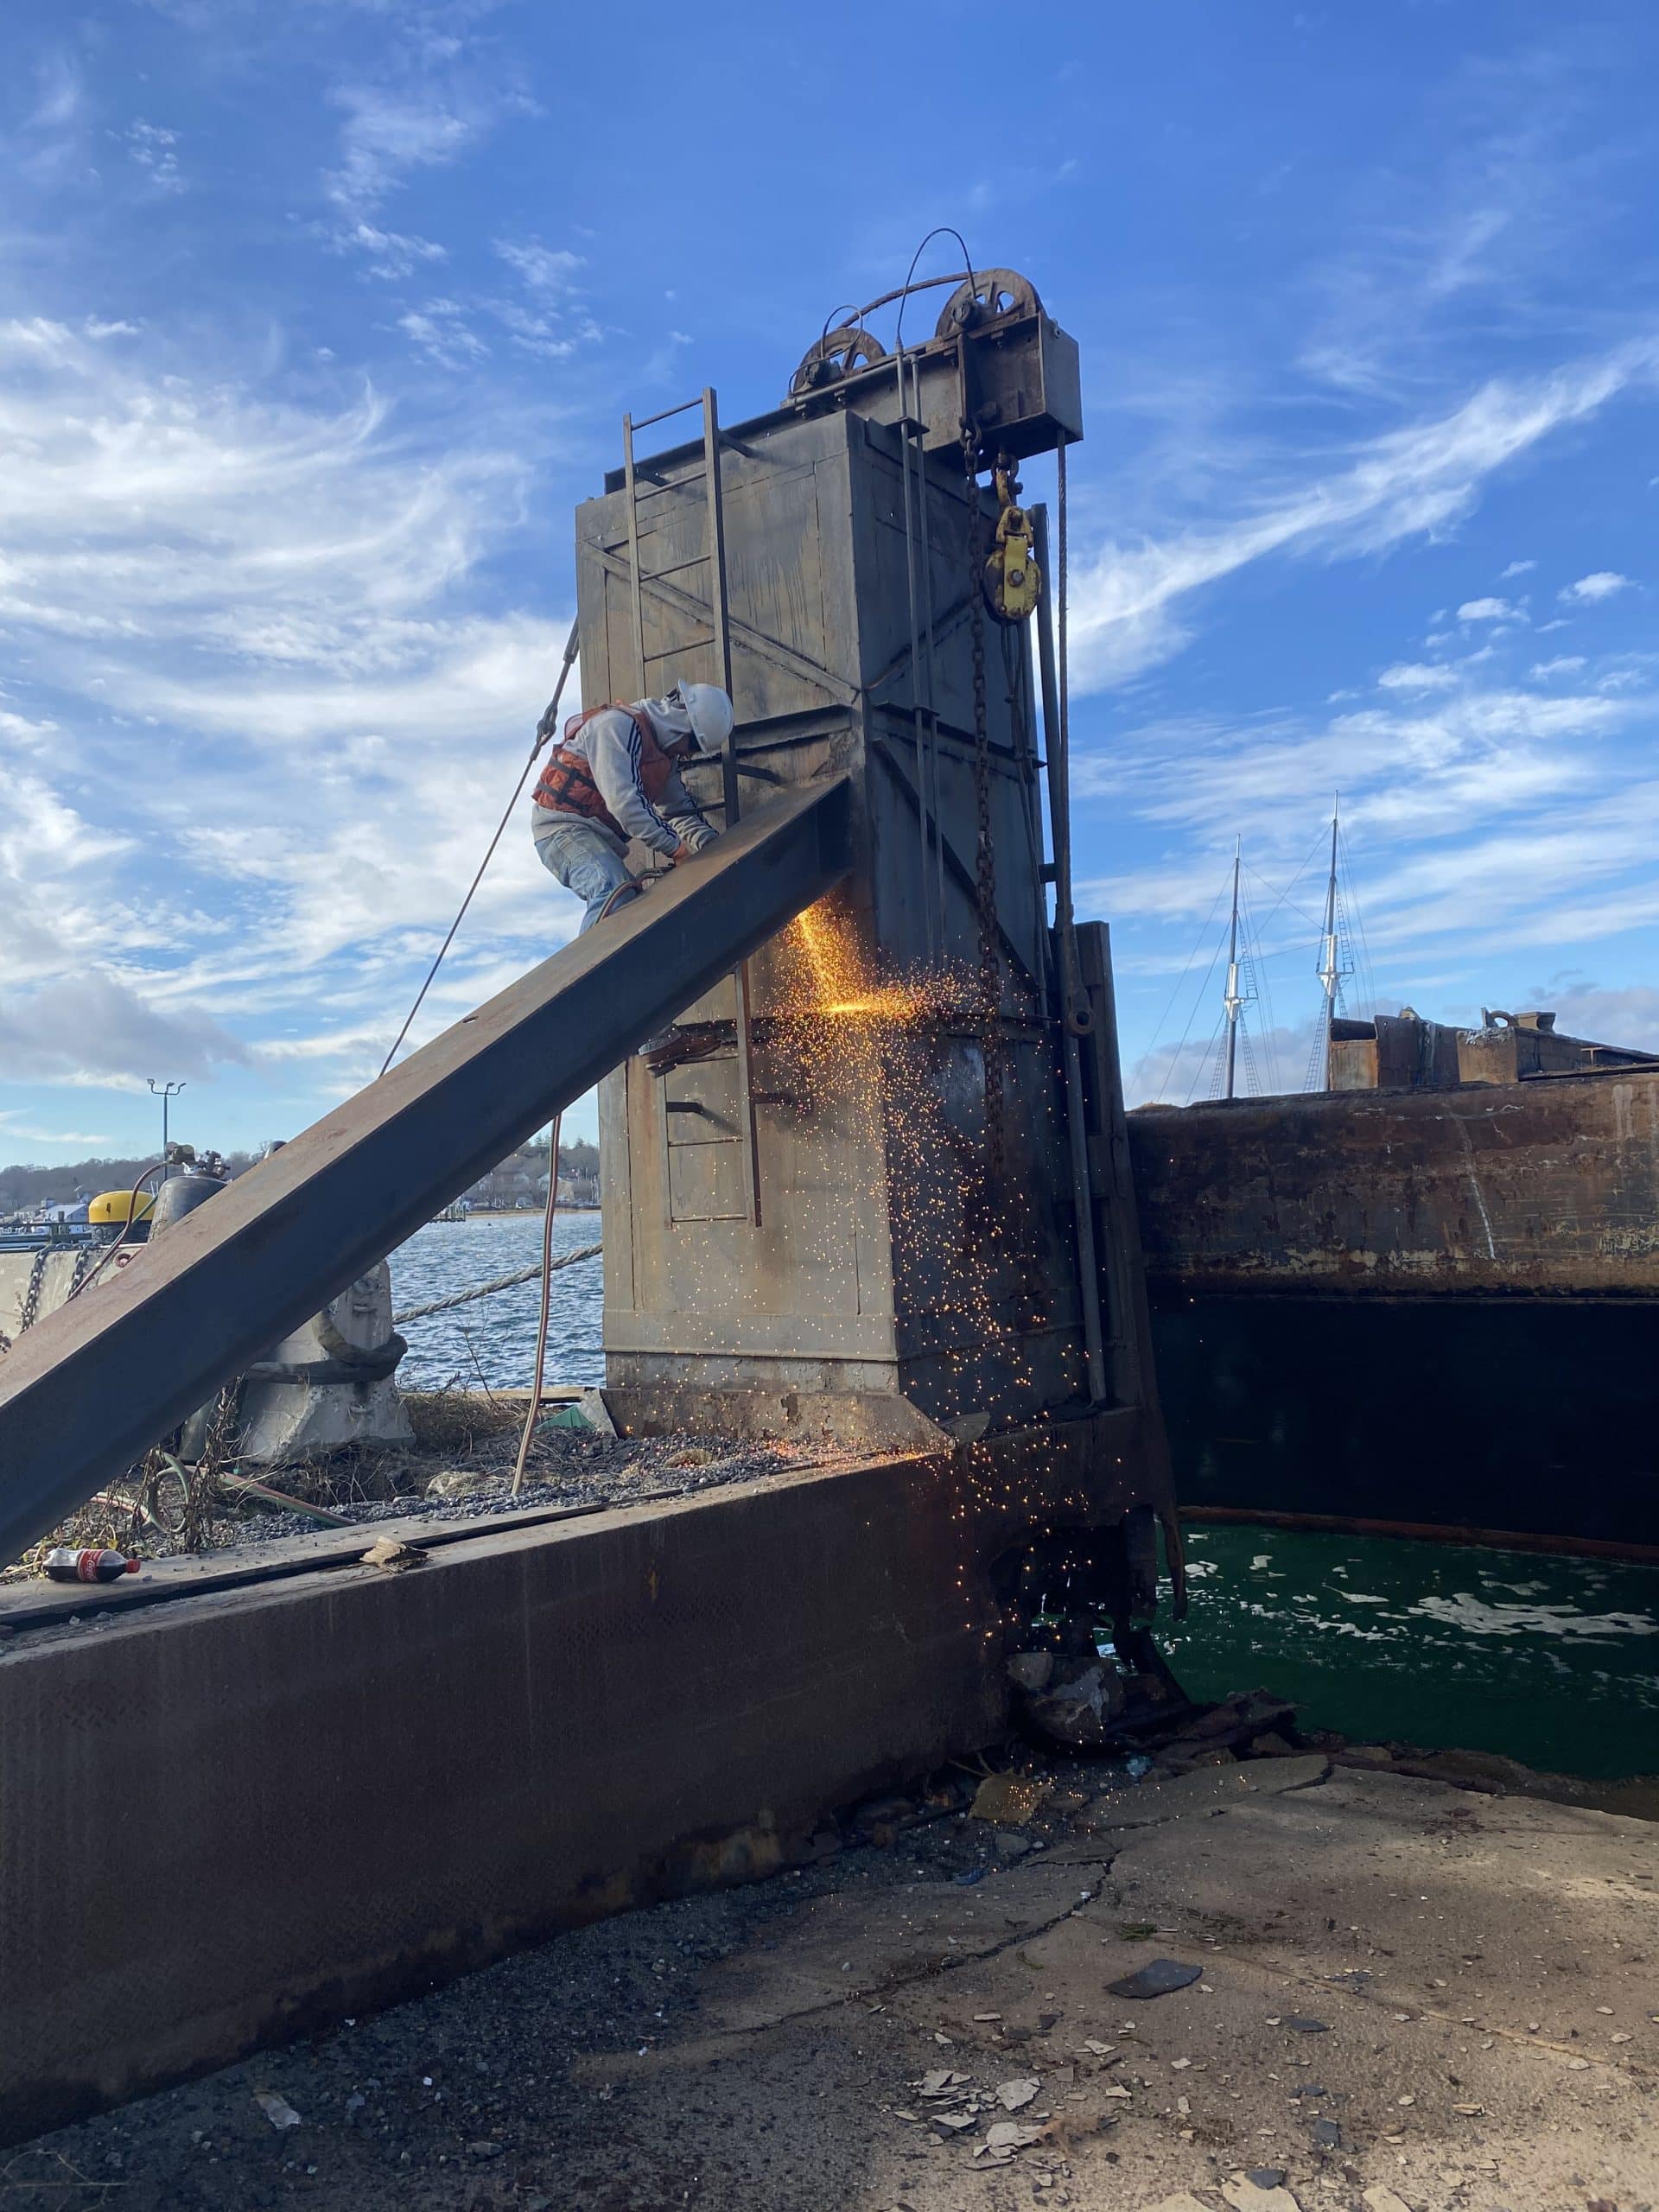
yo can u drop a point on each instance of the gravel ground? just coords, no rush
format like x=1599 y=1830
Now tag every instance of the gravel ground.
x=458 y=1469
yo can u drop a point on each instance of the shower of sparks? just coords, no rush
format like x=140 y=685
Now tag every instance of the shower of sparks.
x=841 y=985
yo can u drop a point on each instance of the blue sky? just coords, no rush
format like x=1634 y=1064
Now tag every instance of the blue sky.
x=317 y=318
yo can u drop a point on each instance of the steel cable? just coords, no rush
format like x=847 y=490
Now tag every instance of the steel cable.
x=500 y=1282
x=544 y=729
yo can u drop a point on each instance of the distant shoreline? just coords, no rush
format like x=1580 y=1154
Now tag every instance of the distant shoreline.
x=516 y=1213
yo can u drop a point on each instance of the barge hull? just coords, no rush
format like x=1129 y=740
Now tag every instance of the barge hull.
x=1422 y=1312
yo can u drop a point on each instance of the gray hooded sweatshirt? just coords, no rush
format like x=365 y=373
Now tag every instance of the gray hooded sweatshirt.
x=609 y=742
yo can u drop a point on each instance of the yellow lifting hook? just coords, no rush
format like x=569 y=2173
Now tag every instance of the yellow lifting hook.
x=1013 y=580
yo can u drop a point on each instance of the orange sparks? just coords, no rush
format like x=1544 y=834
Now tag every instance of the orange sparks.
x=840 y=984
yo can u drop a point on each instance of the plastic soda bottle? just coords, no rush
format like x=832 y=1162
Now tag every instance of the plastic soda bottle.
x=65 y=1564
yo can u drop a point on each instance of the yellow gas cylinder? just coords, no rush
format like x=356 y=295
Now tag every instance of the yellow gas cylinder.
x=112 y=1210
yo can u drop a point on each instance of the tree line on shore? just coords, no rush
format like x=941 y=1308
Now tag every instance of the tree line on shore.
x=25 y=1185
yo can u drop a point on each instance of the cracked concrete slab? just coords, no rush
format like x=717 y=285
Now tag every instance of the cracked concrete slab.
x=1210 y=1789
x=844 y=1948
x=1481 y=1971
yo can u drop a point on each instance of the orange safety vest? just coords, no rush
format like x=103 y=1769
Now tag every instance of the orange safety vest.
x=566 y=782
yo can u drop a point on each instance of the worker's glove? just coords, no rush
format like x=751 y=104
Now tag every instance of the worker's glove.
x=682 y=853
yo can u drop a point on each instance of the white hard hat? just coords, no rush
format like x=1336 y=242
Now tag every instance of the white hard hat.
x=710 y=712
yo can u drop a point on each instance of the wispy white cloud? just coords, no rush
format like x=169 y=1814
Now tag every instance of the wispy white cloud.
x=1605 y=583
x=1411 y=776
x=385 y=253
x=549 y=271
x=1418 y=676
x=154 y=150
x=1489 y=610
x=276 y=598
x=1127 y=603
x=387 y=135
x=1563 y=664
x=442 y=332
x=1517 y=568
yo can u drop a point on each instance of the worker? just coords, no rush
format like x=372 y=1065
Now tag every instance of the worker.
x=614 y=775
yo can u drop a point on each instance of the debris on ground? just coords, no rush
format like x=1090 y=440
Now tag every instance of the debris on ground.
x=458 y=1469
x=904 y=2009
x=1009 y=1799
x=1004 y=2139
x=396 y=1558
x=277 y=2110
x=1158 y=1977
x=1259 y=2192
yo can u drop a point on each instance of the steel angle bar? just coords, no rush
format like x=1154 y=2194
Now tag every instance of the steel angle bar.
x=730 y=794
x=88 y=1389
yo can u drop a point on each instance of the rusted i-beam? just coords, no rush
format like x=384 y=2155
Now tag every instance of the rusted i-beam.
x=92 y=1386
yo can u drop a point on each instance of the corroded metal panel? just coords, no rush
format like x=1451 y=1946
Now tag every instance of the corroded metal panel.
x=1548 y=1186
x=274 y=1805
x=872 y=1265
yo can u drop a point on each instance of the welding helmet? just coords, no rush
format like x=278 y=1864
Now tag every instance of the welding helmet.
x=708 y=711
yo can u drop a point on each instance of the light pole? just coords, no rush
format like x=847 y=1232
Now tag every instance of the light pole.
x=164 y=1091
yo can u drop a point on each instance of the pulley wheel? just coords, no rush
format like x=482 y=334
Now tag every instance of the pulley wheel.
x=990 y=295
x=839 y=353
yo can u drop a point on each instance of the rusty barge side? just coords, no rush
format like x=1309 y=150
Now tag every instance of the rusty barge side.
x=1435 y=1310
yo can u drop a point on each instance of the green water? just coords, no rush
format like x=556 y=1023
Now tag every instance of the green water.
x=1553 y=1661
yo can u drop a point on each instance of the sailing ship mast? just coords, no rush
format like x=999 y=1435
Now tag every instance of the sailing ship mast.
x=1330 y=969
x=1234 y=1002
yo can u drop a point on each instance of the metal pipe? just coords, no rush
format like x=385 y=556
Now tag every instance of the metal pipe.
x=1060 y=811
x=720 y=622
x=632 y=489
x=904 y=460
x=1060 y=830
x=930 y=791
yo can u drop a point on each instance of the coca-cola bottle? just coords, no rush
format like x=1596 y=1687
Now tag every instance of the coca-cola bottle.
x=65 y=1564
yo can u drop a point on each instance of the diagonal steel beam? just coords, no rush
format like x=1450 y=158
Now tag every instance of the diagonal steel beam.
x=92 y=1386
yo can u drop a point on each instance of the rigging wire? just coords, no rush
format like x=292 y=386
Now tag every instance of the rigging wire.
x=1345 y=878
x=535 y=1406
x=1180 y=981
x=1203 y=1061
x=623 y=892
x=544 y=729
x=1260 y=989
x=1175 y=1056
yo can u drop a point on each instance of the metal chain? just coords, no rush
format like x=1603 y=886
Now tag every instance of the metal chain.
x=990 y=965
x=32 y=1296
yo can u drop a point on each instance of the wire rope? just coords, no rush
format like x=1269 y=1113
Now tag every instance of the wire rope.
x=1180 y=982
x=544 y=729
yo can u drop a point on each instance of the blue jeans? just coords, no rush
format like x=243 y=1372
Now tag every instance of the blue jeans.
x=585 y=861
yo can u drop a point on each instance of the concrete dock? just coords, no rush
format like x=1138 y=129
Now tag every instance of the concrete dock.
x=1408 y=1995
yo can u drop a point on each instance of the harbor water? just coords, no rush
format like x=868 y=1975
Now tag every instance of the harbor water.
x=1551 y=1661
x=492 y=1343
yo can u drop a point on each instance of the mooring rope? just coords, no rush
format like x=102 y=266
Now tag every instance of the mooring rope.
x=501 y=1282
